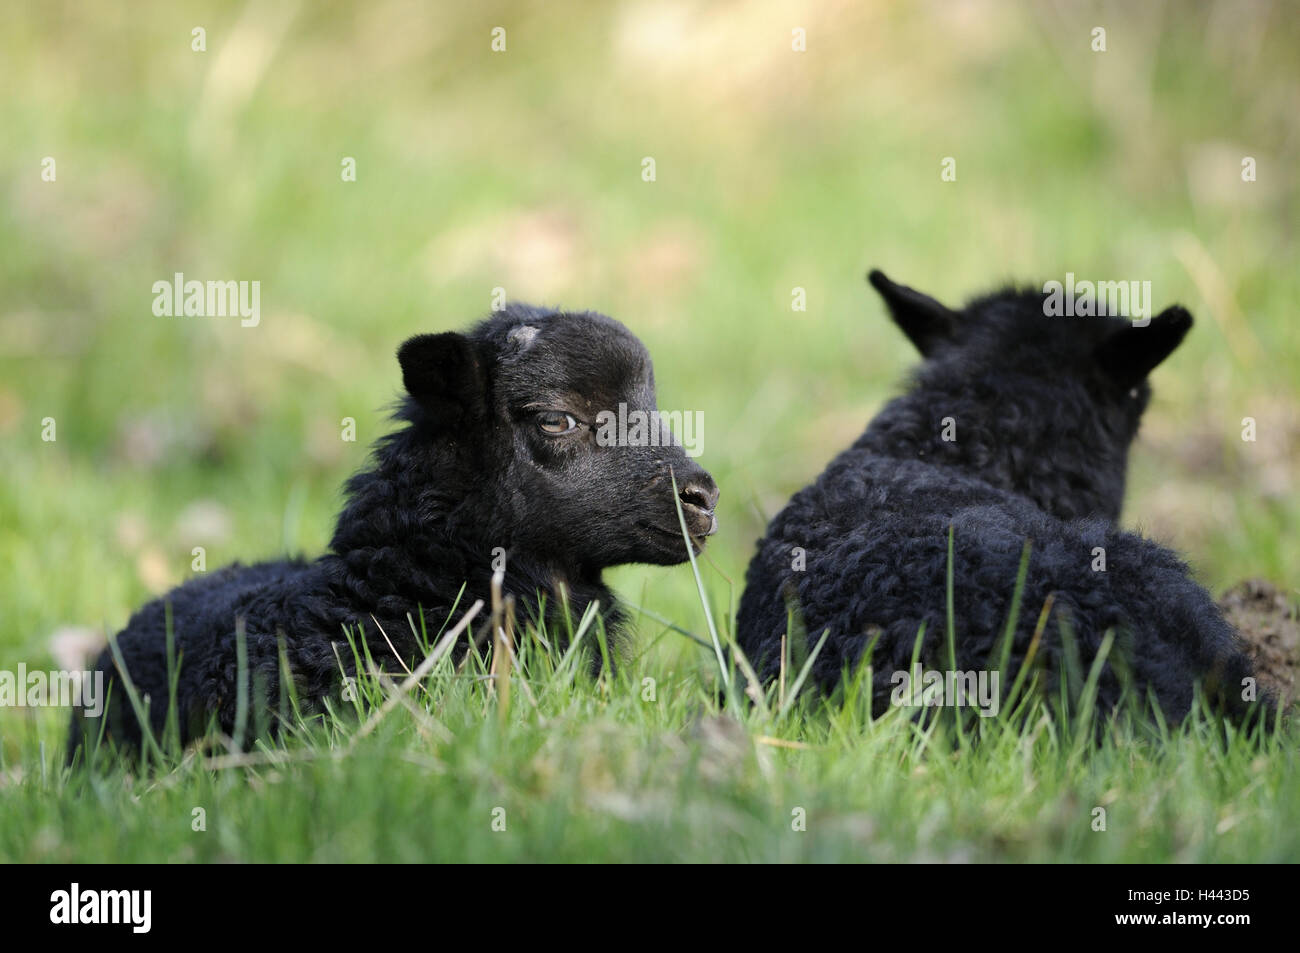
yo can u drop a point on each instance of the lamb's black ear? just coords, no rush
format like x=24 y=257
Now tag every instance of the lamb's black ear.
x=442 y=372
x=1133 y=352
x=925 y=321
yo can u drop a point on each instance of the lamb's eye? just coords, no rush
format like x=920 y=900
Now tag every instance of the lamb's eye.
x=556 y=424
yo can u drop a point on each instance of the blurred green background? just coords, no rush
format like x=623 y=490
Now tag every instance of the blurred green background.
x=776 y=169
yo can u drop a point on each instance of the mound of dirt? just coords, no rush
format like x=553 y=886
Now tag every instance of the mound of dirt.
x=1268 y=622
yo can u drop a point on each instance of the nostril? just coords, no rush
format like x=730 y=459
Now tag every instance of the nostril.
x=701 y=496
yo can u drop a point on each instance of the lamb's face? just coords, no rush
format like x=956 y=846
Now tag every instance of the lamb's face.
x=569 y=485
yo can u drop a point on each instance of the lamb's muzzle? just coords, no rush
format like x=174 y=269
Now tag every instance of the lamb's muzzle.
x=699 y=499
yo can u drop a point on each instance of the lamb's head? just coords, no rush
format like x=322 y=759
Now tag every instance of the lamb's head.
x=1052 y=403
x=528 y=397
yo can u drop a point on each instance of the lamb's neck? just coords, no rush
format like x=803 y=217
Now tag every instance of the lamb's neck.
x=421 y=539
x=388 y=508
x=1012 y=447
x=920 y=426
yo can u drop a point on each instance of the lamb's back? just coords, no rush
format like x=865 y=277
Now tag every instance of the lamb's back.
x=862 y=554
x=202 y=613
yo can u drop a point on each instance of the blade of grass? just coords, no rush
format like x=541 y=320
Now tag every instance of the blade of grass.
x=802 y=677
x=699 y=583
x=442 y=648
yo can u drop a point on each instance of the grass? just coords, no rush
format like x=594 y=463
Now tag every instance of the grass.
x=522 y=170
x=524 y=755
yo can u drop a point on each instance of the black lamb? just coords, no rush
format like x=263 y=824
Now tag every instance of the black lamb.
x=1016 y=427
x=498 y=461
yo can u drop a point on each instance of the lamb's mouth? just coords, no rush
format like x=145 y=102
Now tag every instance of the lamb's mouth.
x=676 y=532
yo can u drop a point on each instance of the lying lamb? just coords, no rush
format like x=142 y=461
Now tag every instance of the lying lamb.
x=1016 y=427
x=499 y=456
